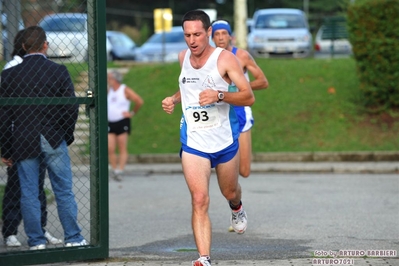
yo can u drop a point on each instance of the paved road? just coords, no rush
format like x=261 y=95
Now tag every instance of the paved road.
x=291 y=215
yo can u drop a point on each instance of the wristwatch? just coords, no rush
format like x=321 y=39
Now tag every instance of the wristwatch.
x=220 y=96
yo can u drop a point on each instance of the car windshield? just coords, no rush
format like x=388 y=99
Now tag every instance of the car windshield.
x=280 y=21
x=170 y=37
x=71 y=24
x=121 y=40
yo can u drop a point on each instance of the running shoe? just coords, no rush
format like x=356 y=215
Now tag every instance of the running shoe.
x=117 y=175
x=202 y=261
x=239 y=220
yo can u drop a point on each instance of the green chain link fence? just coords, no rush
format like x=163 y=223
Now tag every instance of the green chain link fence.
x=76 y=40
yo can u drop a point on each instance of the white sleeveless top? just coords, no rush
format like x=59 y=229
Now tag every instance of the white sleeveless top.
x=117 y=103
x=208 y=128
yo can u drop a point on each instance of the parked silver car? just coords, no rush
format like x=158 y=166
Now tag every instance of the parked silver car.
x=67 y=36
x=331 y=40
x=123 y=47
x=162 y=46
x=277 y=32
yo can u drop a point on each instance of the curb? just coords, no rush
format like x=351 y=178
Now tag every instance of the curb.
x=279 y=167
x=374 y=156
x=278 y=162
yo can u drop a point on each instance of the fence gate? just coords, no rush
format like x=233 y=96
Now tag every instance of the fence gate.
x=76 y=40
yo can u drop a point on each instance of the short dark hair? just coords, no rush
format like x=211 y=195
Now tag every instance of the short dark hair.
x=18 y=49
x=197 y=15
x=33 y=39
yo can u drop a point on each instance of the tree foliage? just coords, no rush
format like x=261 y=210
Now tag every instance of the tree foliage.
x=373 y=29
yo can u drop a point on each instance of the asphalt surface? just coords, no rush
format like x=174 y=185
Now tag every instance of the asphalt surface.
x=294 y=209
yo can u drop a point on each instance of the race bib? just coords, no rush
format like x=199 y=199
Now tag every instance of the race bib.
x=202 y=117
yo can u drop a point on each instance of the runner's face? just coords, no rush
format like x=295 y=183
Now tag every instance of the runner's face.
x=197 y=38
x=221 y=38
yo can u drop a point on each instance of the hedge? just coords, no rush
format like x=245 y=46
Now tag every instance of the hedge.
x=373 y=27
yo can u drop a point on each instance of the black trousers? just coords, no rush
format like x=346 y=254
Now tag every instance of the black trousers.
x=12 y=216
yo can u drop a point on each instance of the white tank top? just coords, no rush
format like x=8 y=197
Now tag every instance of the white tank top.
x=208 y=128
x=117 y=103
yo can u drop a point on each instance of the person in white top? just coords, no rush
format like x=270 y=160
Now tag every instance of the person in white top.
x=119 y=115
x=16 y=59
x=12 y=216
x=18 y=52
x=209 y=127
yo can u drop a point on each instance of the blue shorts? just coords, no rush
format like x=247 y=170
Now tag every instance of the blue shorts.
x=216 y=158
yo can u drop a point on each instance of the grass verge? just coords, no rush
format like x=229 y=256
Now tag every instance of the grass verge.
x=311 y=105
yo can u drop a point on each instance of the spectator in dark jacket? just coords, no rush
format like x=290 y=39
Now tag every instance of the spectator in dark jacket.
x=12 y=193
x=40 y=133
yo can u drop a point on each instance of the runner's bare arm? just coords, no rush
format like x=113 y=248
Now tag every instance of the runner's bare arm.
x=259 y=79
x=229 y=66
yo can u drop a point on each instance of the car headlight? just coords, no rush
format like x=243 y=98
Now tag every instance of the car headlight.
x=259 y=39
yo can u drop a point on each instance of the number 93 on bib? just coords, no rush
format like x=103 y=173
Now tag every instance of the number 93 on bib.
x=203 y=117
